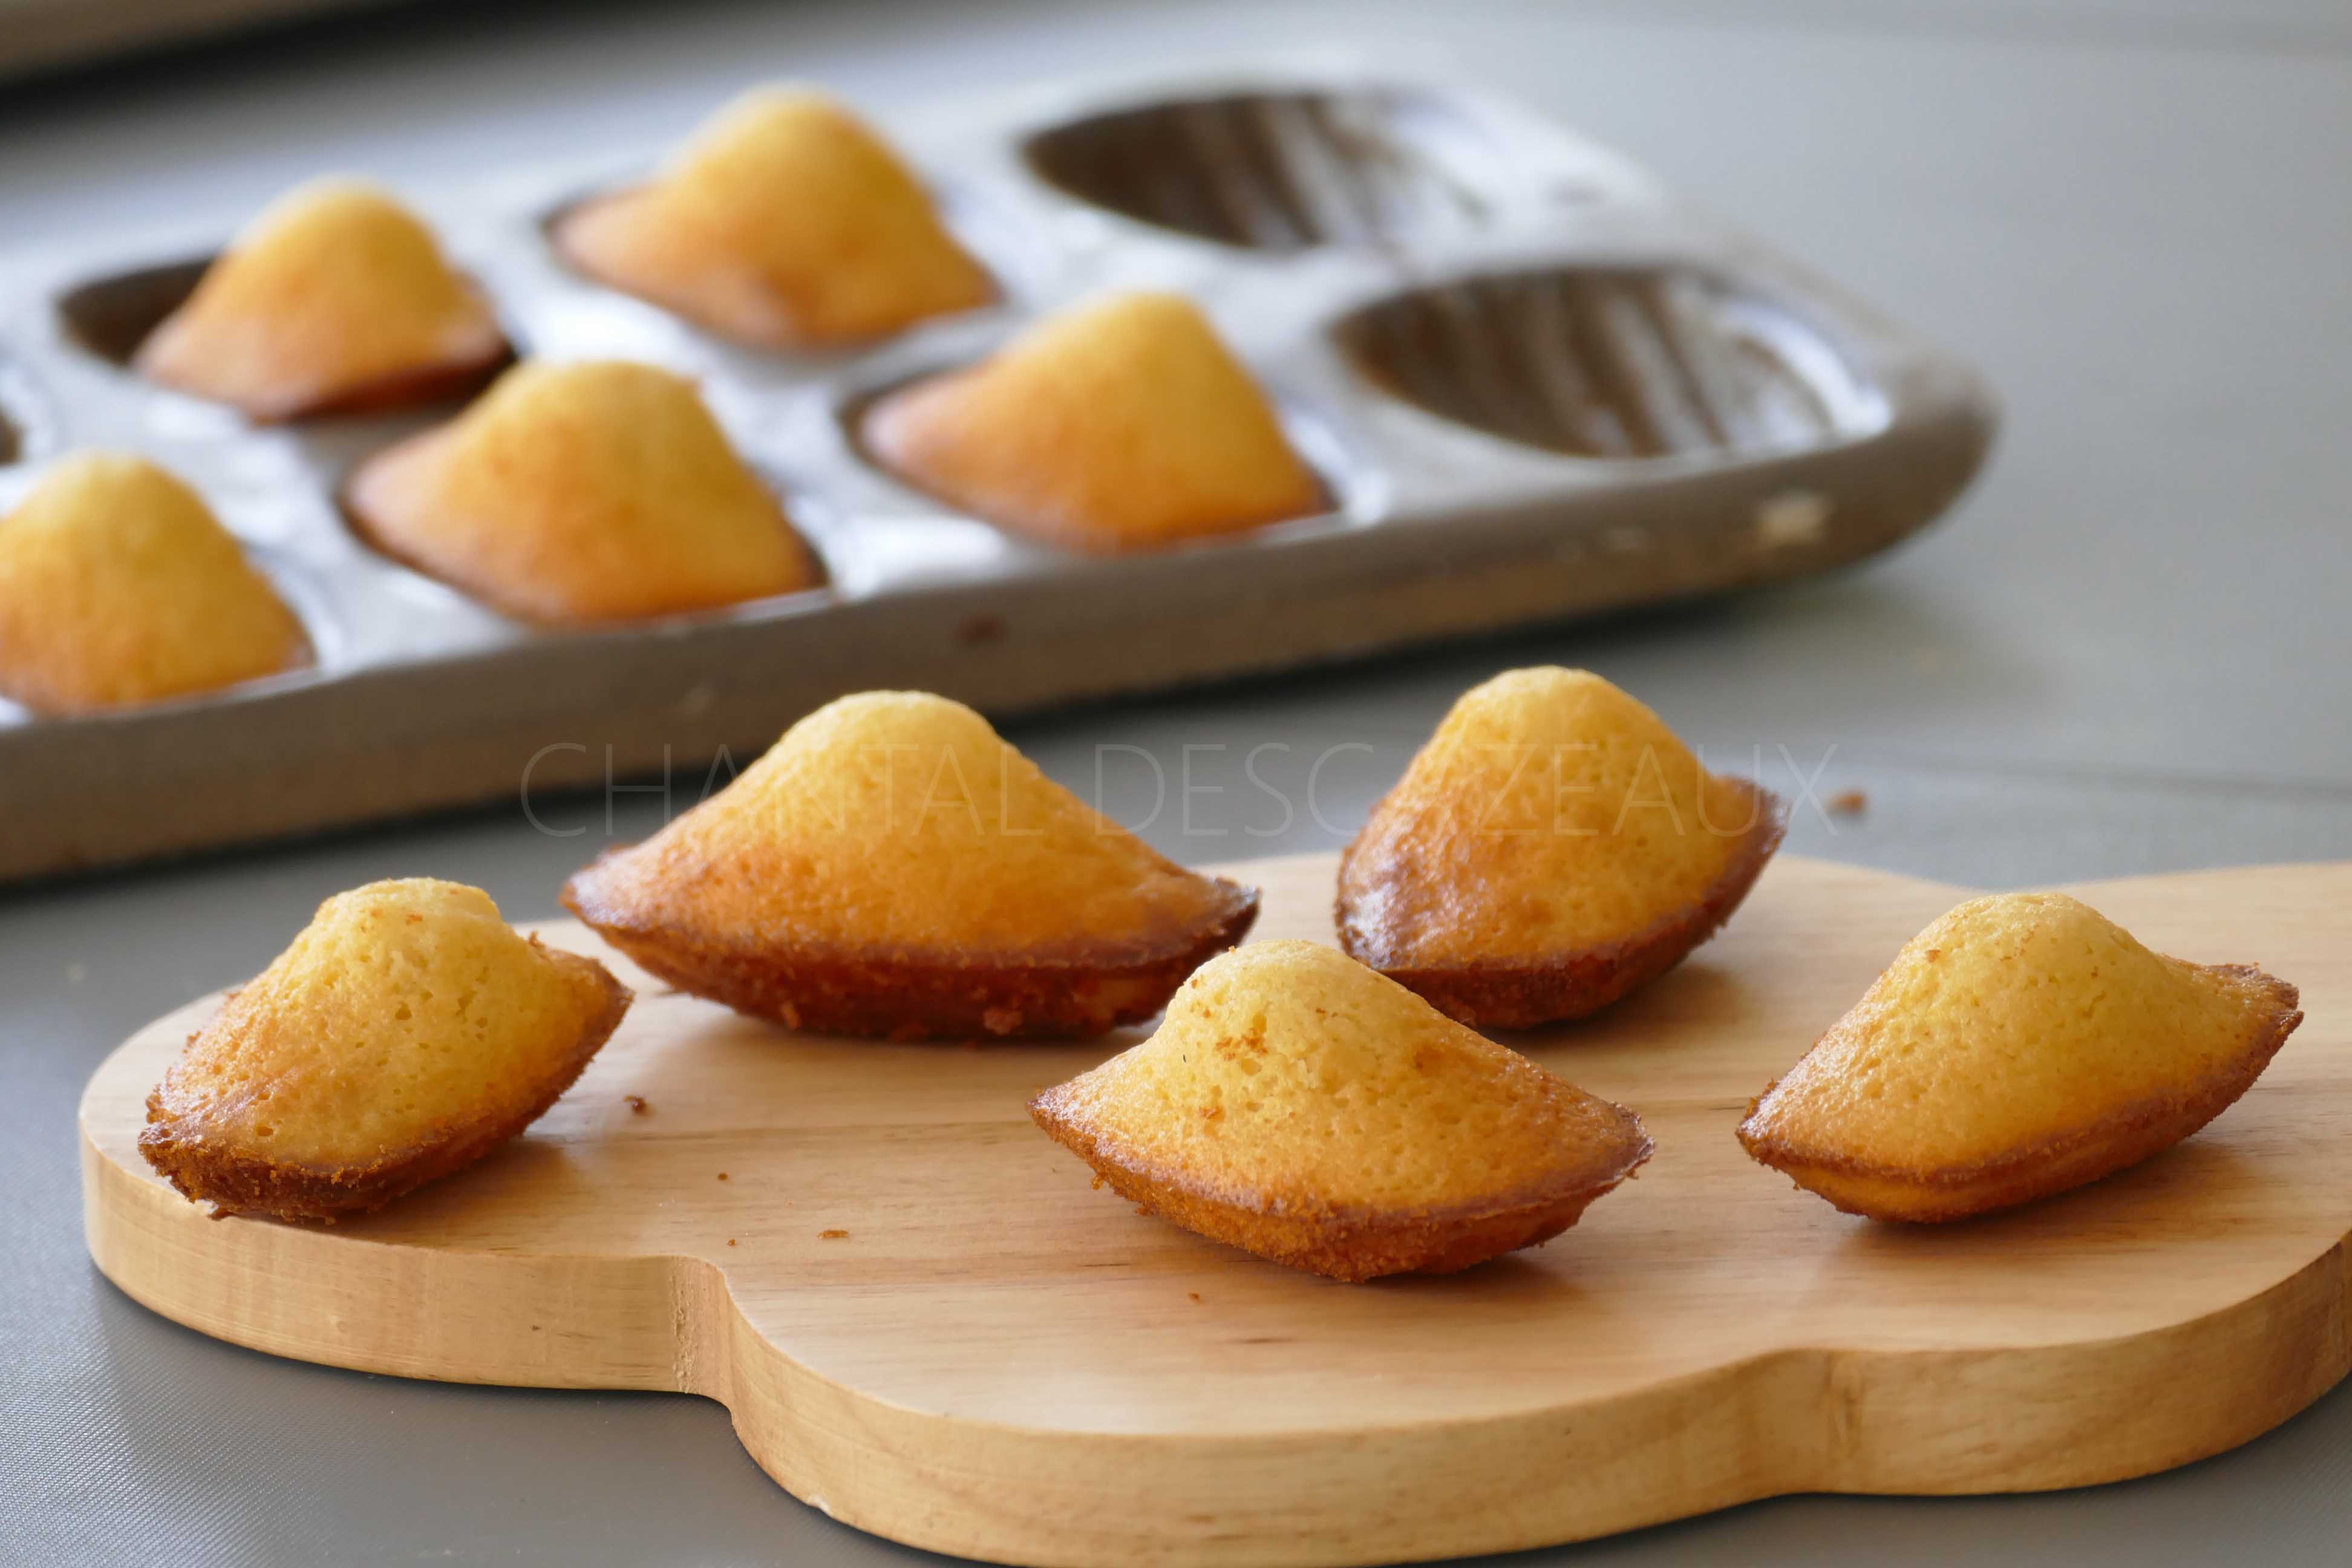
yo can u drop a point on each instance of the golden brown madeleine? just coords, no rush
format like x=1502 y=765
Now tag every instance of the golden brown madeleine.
x=1298 y=1105
x=1124 y=425
x=118 y=585
x=336 y=299
x=1553 y=847
x=569 y=493
x=891 y=868
x=785 y=223
x=2020 y=1045
x=407 y=1031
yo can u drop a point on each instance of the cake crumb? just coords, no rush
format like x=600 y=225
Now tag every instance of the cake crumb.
x=731 y=1241
x=722 y=1175
x=636 y=1103
x=1848 y=803
x=1194 y=1294
x=833 y=1236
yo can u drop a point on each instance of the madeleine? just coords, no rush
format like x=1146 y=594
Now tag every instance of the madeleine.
x=407 y=1032
x=1127 y=425
x=1298 y=1105
x=1551 y=849
x=2020 y=1045
x=118 y=587
x=336 y=299
x=787 y=223
x=584 y=492
x=891 y=868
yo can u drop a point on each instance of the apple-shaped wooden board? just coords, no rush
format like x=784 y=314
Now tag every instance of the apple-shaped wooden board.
x=928 y=1322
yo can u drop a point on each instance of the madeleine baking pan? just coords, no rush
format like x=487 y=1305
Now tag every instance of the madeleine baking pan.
x=1535 y=385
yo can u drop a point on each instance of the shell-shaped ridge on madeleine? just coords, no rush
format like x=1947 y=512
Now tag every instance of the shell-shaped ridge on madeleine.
x=786 y=223
x=119 y=585
x=1126 y=424
x=1299 y=1106
x=335 y=297
x=582 y=492
x=405 y=1032
x=2022 y=1044
x=1554 y=846
x=892 y=867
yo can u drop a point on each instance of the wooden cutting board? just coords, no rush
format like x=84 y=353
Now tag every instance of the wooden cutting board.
x=929 y=1324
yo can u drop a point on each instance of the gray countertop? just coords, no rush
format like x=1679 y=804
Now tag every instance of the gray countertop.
x=2123 y=652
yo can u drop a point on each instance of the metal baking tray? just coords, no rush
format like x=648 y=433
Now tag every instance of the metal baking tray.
x=1537 y=386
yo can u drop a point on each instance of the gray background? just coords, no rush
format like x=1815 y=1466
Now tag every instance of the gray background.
x=2123 y=652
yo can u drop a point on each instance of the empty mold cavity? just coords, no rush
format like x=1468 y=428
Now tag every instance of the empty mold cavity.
x=112 y=316
x=1280 y=171
x=1612 y=361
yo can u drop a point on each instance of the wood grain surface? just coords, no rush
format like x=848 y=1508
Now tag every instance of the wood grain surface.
x=925 y=1322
